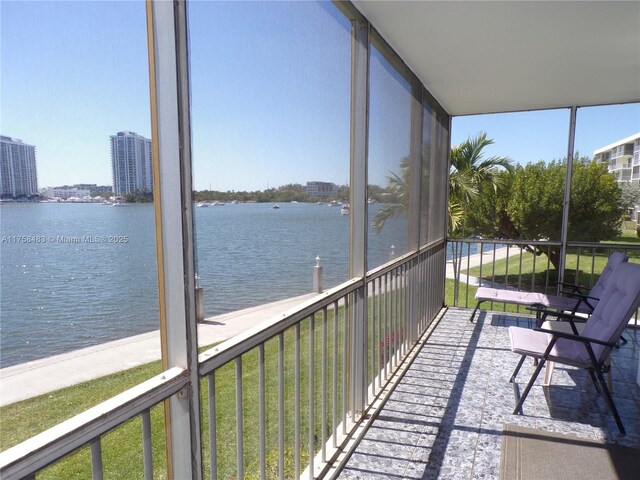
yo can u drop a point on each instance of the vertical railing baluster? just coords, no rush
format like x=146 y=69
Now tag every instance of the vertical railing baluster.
x=281 y=405
x=533 y=275
x=466 y=297
x=372 y=302
x=323 y=407
x=385 y=338
x=334 y=372
x=506 y=277
x=96 y=459
x=297 y=401
x=546 y=282
x=366 y=350
x=146 y=444
x=406 y=330
x=345 y=350
x=399 y=310
x=481 y=262
x=312 y=393
x=380 y=335
x=213 y=442
x=239 y=420
x=520 y=270
x=394 y=314
x=262 y=416
x=520 y=275
x=493 y=270
x=593 y=266
x=577 y=280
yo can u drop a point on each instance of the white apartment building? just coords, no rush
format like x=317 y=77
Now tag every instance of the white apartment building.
x=622 y=158
x=322 y=189
x=64 y=193
x=131 y=163
x=18 y=174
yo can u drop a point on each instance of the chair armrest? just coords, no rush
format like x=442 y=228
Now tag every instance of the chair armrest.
x=572 y=336
x=579 y=296
x=575 y=287
x=556 y=313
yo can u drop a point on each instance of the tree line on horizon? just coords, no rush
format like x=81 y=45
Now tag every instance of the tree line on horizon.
x=292 y=192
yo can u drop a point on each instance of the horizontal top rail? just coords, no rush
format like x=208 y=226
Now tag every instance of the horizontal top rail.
x=389 y=266
x=219 y=355
x=607 y=245
x=506 y=241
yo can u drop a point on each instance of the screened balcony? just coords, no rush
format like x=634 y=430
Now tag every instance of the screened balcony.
x=315 y=391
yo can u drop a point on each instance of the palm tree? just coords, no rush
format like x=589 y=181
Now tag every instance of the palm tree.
x=468 y=171
x=398 y=188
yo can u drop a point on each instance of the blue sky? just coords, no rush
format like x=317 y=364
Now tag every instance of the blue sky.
x=266 y=110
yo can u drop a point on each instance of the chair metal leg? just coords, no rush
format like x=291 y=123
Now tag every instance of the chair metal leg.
x=594 y=380
x=475 y=310
x=536 y=372
x=548 y=373
x=609 y=400
x=515 y=372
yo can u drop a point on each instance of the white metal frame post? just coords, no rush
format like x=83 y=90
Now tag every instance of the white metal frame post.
x=358 y=200
x=171 y=140
x=415 y=189
x=567 y=196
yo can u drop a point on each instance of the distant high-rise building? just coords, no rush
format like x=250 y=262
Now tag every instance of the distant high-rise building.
x=131 y=163
x=18 y=175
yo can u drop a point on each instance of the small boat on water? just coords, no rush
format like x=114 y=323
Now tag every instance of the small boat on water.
x=202 y=205
x=218 y=204
x=119 y=204
x=234 y=202
x=276 y=206
x=345 y=209
x=334 y=203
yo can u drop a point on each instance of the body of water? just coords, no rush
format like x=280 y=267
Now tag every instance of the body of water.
x=75 y=275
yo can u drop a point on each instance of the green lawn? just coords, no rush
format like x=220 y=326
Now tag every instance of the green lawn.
x=122 y=448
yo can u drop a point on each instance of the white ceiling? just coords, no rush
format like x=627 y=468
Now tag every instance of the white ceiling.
x=497 y=56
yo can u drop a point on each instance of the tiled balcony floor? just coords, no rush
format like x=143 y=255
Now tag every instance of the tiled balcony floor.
x=445 y=418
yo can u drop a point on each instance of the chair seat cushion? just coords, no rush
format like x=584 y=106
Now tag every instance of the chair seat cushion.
x=485 y=294
x=525 y=341
x=519 y=297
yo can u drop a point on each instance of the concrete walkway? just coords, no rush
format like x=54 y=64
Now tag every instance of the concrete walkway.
x=475 y=260
x=45 y=375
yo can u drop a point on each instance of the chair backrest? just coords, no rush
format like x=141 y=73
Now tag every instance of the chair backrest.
x=615 y=259
x=620 y=300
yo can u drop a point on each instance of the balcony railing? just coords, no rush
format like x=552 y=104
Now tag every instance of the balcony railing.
x=283 y=397
x=524 y=265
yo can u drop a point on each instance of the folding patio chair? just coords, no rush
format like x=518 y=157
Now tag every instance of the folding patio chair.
x=590 y=349
x=576 y=299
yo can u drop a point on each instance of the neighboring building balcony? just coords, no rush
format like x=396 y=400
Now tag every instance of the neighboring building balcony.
x=620 y=164
x=623 y=151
